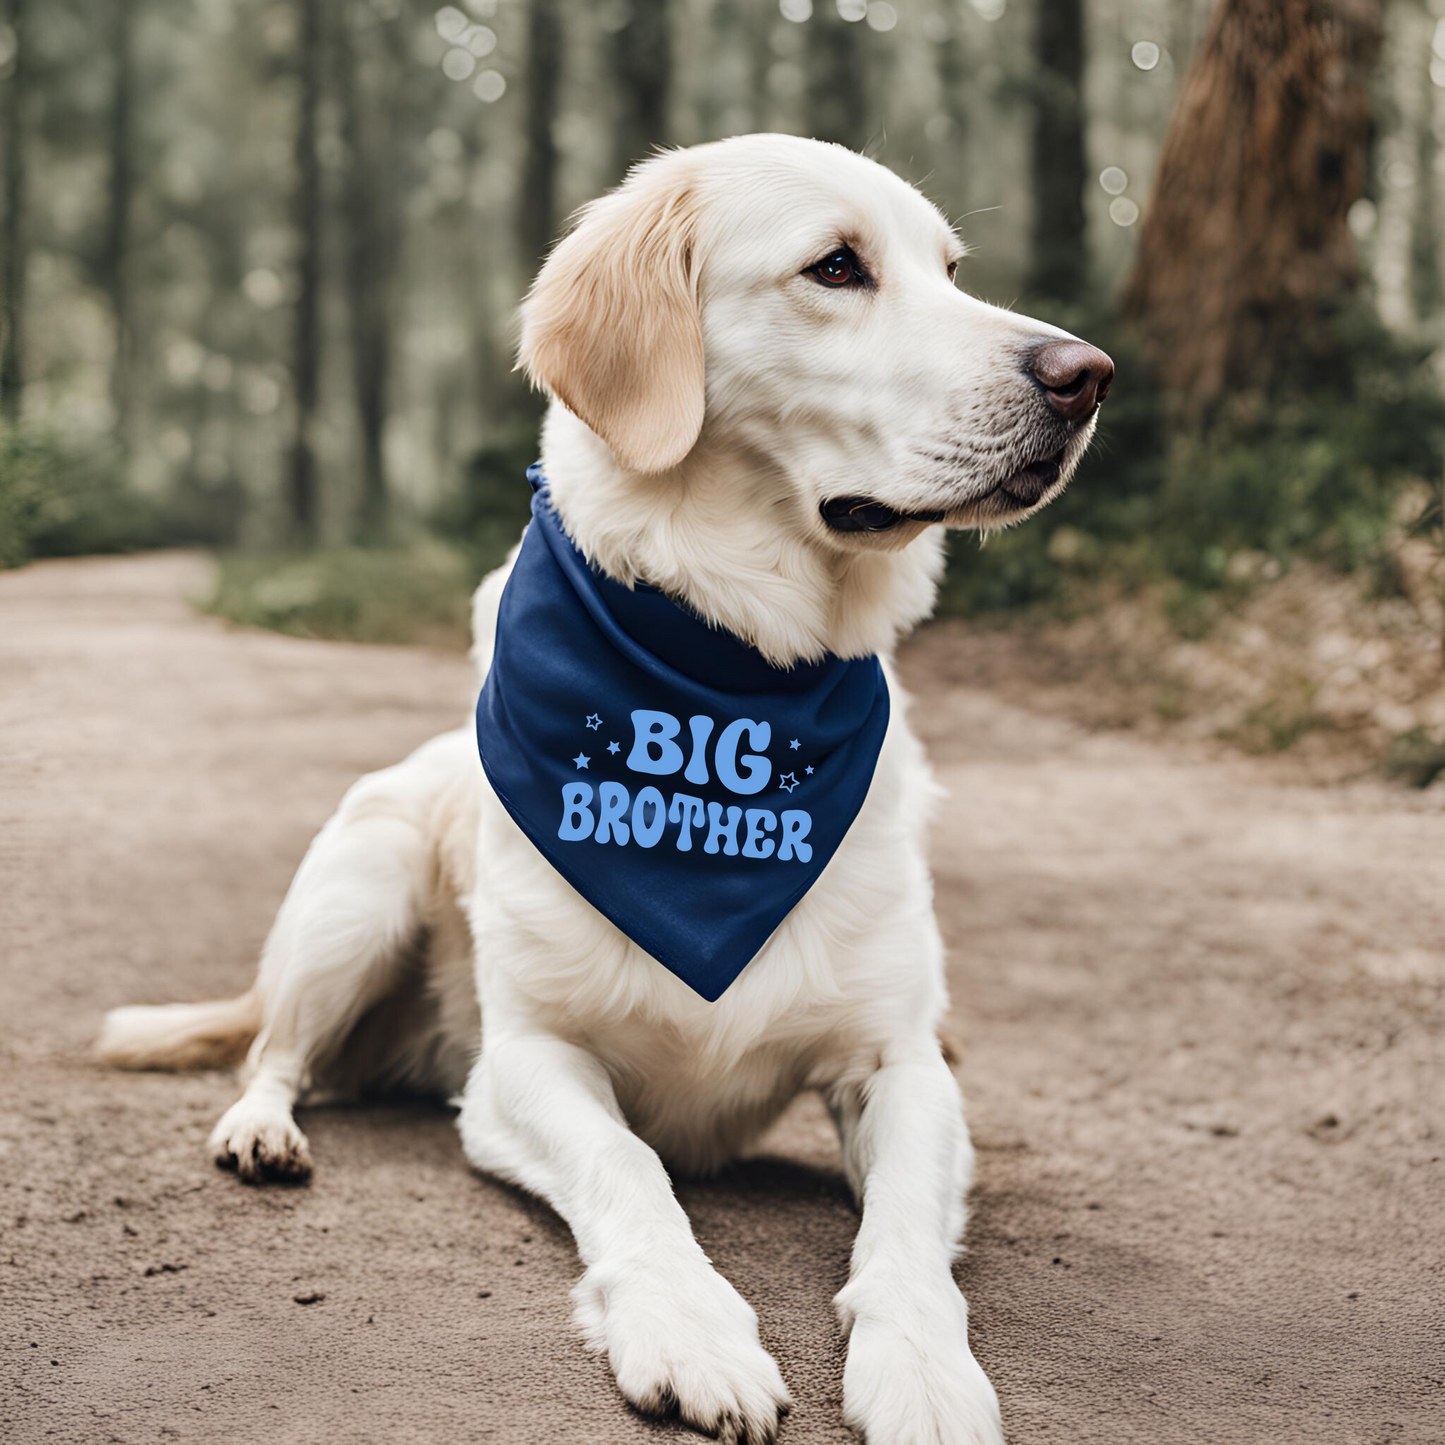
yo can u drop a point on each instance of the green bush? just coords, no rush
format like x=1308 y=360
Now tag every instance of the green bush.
x=65 y=501
x=412 y=593
x=487 y=509
x=1416 y=757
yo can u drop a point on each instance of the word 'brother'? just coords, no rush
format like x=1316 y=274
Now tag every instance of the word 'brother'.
x=619 y=817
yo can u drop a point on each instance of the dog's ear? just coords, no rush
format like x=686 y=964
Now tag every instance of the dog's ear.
x=612 y=327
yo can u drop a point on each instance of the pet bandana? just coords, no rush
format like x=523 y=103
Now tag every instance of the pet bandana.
x=684 y=786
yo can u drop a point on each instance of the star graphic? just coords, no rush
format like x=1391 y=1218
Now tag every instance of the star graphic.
x=613 y=748
x=581 y=760
x=784 y=783
x=593 y=721
x=809 y=772
x=795 y=745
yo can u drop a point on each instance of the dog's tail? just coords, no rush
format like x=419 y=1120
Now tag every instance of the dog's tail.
x=181 y=1035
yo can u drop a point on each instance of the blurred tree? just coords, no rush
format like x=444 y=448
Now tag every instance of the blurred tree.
x=115 y=254
x=1059 y=251
x=1245 y=241
x=721 y=90
x=180 y=265
x=537 y=215
x=760 y=57
x=306 y=351
x=955 y=74
x=373 y=187
x=642 y=59
x=838 y=108
x=1393 y=183
x=1427 y=284
x=13 y=239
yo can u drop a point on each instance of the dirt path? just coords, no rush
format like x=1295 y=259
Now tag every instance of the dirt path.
x=1203 y=1027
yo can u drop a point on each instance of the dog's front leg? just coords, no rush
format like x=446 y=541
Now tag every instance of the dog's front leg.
x=541 y=1112
x=910 y=1377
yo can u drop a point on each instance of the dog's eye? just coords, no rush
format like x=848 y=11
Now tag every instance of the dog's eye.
x=838 y=268
x=952 y=269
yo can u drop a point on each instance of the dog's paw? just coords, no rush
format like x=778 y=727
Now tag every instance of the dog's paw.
x=911 y=1379
x=679 y=1336
x=261 y=1144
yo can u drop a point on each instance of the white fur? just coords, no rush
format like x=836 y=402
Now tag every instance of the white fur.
x=595 y=1064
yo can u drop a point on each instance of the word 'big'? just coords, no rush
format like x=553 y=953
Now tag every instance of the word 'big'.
x=655 y=751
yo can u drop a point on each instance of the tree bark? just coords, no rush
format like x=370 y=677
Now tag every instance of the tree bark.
x=115 y=262
x=760 y=24
x=372 y=247
x=642 y=58
x=1426 y=277
x=537 y=219
x=1245 y=244
x=306 y=353
x=13 y=238
x=1059 y=260
x=955 y=76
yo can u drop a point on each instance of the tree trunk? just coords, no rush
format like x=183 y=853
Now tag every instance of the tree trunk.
x=642 y=59
x=760 y=24
x=13 y=238
x=1059 y=257
x=306 y=353
x=373 y=241
x=956 y=78
x=537 y=219
x=1433 y=221
x=837 y=79
x=115 y=261
x=1425 y=258
x=1245 y=243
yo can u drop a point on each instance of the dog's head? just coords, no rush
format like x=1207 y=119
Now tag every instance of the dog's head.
x=796 y=301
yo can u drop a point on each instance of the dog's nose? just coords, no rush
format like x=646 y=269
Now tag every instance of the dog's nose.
x=1075 y=376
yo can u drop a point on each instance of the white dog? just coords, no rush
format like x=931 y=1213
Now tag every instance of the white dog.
x=766 y=391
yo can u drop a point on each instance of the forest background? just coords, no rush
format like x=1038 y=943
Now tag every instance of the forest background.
x=260 y=262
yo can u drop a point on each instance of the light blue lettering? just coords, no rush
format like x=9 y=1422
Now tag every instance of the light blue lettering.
x=726 y=762
x=645 y=833
x=760 y=821
x=654 y=730
x=687 y=812
x=611 y=805
x=701 y=728
x=576 y=815
x=796 y=824
x=717 y=829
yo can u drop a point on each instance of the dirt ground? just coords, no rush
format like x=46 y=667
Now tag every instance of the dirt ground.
x=1203 y=1028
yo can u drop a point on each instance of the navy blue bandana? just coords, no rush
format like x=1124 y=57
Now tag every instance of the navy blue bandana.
x=684 y=786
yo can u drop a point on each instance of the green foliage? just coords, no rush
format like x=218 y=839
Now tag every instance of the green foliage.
x=1282 y=719
x=60 y=501
x=1314 y=466
x=487 y=509
x=413 y=593
x=1416 y=757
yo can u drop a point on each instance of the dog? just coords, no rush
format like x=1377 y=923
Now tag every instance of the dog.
x=769 y=399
